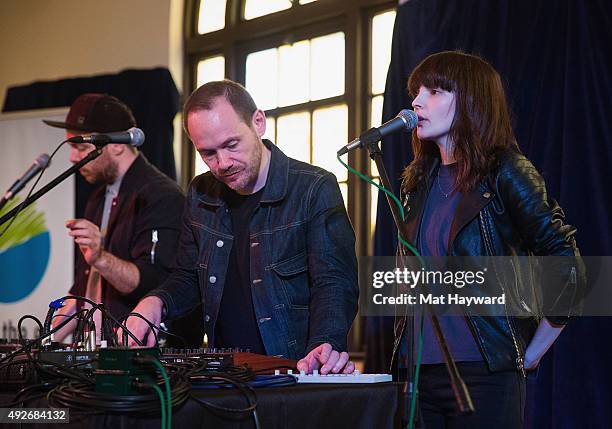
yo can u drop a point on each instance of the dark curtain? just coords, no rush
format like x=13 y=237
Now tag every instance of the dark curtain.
x=554 y=57
x=151 y=94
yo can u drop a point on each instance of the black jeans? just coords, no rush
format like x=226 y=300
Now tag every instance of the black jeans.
x=498 y=397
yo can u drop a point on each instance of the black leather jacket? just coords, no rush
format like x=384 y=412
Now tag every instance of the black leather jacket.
x=508 y=214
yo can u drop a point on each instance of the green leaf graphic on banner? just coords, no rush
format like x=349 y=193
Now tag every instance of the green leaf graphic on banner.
x=29 y=223
x=25 y=250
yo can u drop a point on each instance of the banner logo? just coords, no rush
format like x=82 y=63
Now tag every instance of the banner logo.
x=24 y=253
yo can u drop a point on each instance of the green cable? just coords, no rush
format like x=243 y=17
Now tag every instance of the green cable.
x=162 y=402
x=393 y=197
x=418 y=255
x=168 y=391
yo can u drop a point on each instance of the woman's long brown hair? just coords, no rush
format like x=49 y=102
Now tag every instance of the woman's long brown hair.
x=481 y=128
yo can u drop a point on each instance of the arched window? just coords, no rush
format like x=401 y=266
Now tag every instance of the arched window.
x=317 y=68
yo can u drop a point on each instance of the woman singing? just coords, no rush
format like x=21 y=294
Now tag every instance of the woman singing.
x=469 y=191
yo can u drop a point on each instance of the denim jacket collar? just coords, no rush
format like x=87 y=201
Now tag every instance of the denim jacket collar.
x=278 y=175
x=276 y=183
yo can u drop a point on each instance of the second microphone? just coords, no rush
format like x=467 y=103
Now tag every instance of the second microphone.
x=134 y=137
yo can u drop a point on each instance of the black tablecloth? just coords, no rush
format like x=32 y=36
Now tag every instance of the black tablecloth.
x=309 y=406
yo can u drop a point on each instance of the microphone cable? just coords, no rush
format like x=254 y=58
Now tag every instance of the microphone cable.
x=416 y=253
x=365 y=178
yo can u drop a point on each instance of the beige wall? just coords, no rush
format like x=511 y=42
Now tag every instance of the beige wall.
x=51 y=39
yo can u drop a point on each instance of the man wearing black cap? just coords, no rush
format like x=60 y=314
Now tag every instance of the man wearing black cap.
x=129 y=233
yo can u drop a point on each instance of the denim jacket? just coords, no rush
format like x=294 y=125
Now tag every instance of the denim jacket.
x=303 y=270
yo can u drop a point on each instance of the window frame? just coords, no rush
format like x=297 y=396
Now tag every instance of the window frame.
x=240 y=37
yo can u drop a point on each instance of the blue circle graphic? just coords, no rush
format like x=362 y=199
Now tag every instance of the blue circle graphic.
x=22 y=267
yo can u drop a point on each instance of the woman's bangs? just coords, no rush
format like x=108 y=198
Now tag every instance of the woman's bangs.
x=430 y=76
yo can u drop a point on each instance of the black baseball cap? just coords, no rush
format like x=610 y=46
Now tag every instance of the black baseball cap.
x=101 y=113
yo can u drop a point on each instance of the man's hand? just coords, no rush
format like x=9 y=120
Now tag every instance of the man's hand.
x=89 y=238
x=327 y=359
x=151 y=308
x=121 y=274
x=60 y=316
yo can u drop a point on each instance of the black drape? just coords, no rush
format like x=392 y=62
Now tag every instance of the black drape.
x=151 y=94
x=555 y=62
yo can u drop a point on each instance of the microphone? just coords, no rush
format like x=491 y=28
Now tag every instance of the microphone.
x=40 y=163
x=134 y=137
x=405 y=120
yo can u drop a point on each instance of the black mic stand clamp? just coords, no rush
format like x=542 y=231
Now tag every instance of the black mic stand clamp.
x=460 y=390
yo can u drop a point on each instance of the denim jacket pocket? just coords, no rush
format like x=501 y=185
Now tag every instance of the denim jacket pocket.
x=202 y=262
x=293 y=275
x=202 y=268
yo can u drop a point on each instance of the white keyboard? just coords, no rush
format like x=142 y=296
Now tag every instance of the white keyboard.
x=354 y=378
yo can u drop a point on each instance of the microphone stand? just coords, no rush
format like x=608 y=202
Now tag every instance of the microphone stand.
x=52 y=184
x=460 y=390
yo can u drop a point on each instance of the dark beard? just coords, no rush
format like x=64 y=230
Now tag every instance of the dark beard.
x=108 y=175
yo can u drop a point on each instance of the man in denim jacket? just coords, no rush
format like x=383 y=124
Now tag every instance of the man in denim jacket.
x=266 y=245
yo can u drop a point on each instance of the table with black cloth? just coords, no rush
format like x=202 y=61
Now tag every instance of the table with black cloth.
x=309 y=406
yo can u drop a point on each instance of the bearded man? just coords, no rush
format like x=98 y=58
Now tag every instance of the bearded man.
x=128 y=236
x=266 y=244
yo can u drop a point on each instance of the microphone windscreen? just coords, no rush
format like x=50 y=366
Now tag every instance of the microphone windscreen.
x=138 y=136
x=411 y=119
x=43 y=160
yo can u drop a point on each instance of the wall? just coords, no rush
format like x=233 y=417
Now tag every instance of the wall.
x=51 y=39
x=54 y=39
